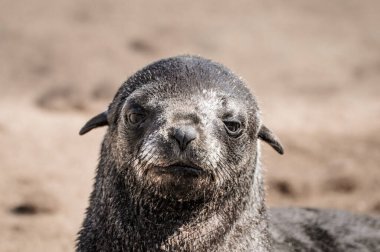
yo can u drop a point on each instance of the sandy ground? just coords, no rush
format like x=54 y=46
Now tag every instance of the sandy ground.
x=314 y=65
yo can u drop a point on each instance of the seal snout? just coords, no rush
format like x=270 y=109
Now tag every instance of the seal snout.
x=184 y=135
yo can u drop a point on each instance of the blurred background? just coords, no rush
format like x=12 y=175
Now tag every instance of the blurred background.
x=314 y=66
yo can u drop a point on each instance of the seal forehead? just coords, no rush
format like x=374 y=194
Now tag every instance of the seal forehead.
x=209 y=100
x=184 y=78
x=186 y=73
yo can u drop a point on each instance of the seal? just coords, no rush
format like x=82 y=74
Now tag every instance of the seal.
x=179 y=168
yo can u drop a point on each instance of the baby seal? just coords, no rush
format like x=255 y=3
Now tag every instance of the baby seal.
x=179 y=168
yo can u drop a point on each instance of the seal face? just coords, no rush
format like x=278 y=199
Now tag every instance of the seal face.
x=185 y=134
x=183 y=126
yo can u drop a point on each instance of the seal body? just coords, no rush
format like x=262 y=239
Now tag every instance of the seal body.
x=309 y=229
x=179 y=168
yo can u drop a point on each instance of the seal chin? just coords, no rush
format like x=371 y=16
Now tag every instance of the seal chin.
x=178 y=181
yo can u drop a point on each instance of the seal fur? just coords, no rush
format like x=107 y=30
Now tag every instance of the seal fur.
x=179 y=168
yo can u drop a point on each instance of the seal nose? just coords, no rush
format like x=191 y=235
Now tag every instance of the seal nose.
x=184 y=136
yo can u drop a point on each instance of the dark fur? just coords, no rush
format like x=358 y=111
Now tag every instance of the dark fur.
x=305 y=229
x=136 y=206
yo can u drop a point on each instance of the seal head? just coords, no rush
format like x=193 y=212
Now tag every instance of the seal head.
x=183 y=129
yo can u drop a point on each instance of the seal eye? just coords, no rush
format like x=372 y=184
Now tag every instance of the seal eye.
x=233 y=127
x=135 y=118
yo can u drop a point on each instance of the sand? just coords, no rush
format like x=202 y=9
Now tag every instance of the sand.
x=314 y=65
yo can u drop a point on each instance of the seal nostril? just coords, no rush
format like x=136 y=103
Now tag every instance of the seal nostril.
x=184 y=136
x=179 y=136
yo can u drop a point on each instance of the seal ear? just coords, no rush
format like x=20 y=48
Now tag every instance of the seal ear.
x=267 y=136
x=97 y=121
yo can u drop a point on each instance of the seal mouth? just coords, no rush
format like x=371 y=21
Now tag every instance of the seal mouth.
x=179 y=168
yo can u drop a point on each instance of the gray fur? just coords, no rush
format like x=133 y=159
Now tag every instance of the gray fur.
x=153 y=193
x=314 y=230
